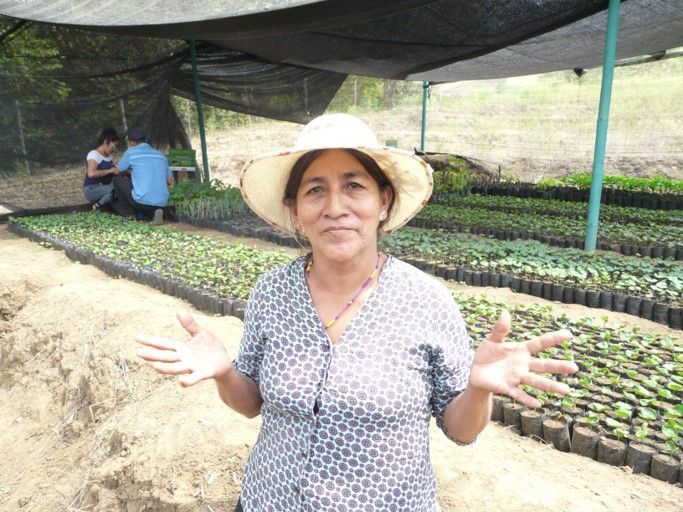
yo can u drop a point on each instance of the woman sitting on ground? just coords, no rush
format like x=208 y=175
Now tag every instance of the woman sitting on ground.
x=100 y=170
x=348 y=352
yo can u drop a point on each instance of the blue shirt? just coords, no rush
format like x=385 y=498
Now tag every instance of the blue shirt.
x=149 y=171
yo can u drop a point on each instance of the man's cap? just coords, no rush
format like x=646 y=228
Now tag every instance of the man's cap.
x=136 y=135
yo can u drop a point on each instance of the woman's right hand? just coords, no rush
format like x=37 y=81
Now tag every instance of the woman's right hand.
x=201 y=357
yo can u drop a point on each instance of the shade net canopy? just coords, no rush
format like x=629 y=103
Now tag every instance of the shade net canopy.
x=60 y=85
x=69 y=68
x=418 y=40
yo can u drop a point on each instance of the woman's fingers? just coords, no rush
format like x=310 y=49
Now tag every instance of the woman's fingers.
x=548 y=340
x=157 y=342
x=188 y=323
x=524 y=398
x=552 y=366
x=501 y=328
x=545 y=384
x=163 y=356
x=189 y=379
x=177 y=368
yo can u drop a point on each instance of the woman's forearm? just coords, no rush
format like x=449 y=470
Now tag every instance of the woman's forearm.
x=468 y=414
x=239 y=392
x=99 y=173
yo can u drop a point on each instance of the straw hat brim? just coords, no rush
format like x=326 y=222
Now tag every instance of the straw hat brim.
x=263 y=182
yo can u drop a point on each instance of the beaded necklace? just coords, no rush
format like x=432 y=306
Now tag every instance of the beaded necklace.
x=365 y=284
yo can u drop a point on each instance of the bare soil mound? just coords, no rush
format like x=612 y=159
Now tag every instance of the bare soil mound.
x=88 y=426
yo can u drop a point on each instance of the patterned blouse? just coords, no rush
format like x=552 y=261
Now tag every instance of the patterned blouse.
x=346 y=425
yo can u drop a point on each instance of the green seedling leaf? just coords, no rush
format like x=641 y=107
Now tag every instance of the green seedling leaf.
x=597 y=407
x=675 y=412
x=620 y=432
x=641 y=432
x=669 y=431
x=665 y=393
x=647 y=413
x=612 y=423
x=623 y=414
x=630 y=396
x=674 y=386
x=568 y=402
x=641 y=391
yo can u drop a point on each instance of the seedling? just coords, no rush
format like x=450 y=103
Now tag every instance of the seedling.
x=647 y=413
x=623 y=410
x=642 y=431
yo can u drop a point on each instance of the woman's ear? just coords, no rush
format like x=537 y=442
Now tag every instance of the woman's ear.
x=385 y=199
x=294 y=217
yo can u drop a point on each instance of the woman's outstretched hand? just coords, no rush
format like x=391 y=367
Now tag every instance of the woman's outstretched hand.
x=201 y=357
x=502 y=367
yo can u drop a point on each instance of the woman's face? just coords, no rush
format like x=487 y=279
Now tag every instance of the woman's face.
x=108 y=147
x=338 y=205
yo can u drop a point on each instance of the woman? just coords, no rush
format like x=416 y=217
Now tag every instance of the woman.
x=347 y=352
x=100 y=170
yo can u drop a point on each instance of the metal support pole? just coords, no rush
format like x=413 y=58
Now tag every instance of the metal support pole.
x=601 y=131
x=22 y=142
x=189 y=117
x=123 y=116
x=200 y=110
x=355 y=93
x=425 y=95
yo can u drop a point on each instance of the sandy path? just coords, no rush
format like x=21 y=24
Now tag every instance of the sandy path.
x=87 y=427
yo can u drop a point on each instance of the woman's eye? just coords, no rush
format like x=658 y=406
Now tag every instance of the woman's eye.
x=315 y=190
x=354 y=185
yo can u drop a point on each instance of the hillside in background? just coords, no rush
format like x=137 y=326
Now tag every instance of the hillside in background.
x=532 y=126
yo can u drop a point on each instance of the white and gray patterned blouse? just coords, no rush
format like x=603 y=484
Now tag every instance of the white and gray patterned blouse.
x=345 y=425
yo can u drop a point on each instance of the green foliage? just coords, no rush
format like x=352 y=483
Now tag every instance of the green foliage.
x=25 y=60
x=642 y=431
x=454 y=178
x=212 y=200
x=568 y=402
x=359 y=94
x=214 y=118
x=583 y=181
x=567 y=209
x=230 y=270
x=648 y=278
x=466 y=215
x=190 y=190
x=68 y=83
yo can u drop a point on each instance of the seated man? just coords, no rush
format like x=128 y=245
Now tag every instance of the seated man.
x=150 y=177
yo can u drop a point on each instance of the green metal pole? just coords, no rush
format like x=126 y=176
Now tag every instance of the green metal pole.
x=601 y=131
x=200 y=110
x=425 y=94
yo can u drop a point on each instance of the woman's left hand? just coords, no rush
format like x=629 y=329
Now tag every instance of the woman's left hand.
x=502 y=367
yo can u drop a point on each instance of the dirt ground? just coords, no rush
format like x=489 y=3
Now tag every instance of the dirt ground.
x=88 y=426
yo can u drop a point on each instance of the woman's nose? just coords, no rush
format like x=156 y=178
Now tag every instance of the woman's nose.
x=335 y=204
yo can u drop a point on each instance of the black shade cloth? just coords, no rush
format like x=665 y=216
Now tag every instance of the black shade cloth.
x=93 y=63
x=399 y=39
x=74 y=82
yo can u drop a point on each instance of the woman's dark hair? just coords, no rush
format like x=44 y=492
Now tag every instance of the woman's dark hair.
x=368 y=163
x=108 y=135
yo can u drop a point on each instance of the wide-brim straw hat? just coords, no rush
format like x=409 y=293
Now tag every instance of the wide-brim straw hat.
x=263 y=180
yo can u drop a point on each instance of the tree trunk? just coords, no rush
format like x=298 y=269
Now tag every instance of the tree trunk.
x=389 y=93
